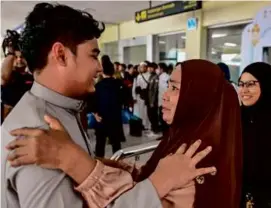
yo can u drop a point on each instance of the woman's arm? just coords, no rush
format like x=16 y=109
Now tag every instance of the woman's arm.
x=100 y=184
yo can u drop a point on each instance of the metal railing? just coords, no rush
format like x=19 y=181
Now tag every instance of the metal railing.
x=135 y=151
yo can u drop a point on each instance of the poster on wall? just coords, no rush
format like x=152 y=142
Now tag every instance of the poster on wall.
x=256 y=39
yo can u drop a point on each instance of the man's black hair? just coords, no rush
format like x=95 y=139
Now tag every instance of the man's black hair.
x=147 y=63
x=123 y=66
x=117 y=63
x=163 y=66
x=108 y=67
x=130 y=66
x=154 y=65
x=50 y=23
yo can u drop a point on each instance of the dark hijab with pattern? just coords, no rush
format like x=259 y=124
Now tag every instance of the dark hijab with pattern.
x=207 y=109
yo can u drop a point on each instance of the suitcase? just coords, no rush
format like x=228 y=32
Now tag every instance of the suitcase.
x=135 y=125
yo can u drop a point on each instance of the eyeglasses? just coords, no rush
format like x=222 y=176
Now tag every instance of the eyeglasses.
x=248 y=84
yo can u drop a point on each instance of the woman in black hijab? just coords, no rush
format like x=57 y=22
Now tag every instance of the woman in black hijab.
x=255 y=94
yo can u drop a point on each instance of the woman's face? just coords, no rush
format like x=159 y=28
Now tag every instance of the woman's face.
x=249 y=89
x=171 y=96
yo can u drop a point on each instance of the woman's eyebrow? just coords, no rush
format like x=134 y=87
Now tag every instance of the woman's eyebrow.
x=174 y=81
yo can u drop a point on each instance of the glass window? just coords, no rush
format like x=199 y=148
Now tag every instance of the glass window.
x=267 y=55
x=224 y=45
x=134 y=54
x=111 y=49
x=170 y=48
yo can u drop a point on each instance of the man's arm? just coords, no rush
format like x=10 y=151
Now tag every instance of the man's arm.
x=143 y=195
x=133 y=89
x=7 y=69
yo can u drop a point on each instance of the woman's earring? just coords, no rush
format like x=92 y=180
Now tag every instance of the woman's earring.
x=200 y=179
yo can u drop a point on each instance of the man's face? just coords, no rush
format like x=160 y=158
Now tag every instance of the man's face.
x=142 y=68
x=19 y=61
x=116 y=67
x=150 y=69
x=82 y=69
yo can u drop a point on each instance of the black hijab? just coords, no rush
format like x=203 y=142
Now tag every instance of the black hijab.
x=256 y=121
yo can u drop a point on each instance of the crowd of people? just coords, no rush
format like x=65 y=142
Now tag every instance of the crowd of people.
x=214 y=152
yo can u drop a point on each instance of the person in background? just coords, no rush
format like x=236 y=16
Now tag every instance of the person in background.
x=116 y=66
x=15 y=77
x=170 y=68
x=108 y=98
x=117 y=74
x=227 y=74
x=128 y=87
x=130 y=66
x=255 y=94
x=135 y=71
x=140 y=94
x=152 y=104
x=162 y=88
x=122 y=70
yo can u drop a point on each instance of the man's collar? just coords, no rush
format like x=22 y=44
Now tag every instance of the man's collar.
x=56 y=98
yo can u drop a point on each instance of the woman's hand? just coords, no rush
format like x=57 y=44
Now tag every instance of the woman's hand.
x=177 y=170
x=97 y=117
x=53 y=149
x=42 y=147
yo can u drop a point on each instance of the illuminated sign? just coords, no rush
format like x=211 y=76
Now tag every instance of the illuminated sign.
x=167 y=9
x=192 y=23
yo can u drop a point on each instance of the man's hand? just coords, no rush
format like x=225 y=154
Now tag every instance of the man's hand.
x=97 y=117
x=177 y=170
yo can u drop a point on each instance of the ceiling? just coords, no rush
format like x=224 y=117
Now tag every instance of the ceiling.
x=14 y=12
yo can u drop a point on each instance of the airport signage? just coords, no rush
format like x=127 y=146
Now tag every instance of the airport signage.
x=167 y=9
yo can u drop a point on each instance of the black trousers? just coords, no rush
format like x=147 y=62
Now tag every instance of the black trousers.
x=106 y=131
x=153 y=117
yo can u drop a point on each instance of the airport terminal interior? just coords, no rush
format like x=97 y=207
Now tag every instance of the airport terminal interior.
x=141 y=47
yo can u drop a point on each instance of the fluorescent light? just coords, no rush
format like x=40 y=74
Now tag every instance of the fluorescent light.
x=230 y=44
x=217 y=35
x=162 y=42
x=213 y=52
x=183 y=37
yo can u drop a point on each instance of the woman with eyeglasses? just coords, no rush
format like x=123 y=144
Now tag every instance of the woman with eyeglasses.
x=255 y=94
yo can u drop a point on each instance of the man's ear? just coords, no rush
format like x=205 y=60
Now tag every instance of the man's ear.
x=59 y=53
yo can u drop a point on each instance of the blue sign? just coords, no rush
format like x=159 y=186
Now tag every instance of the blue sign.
x=192 y=23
